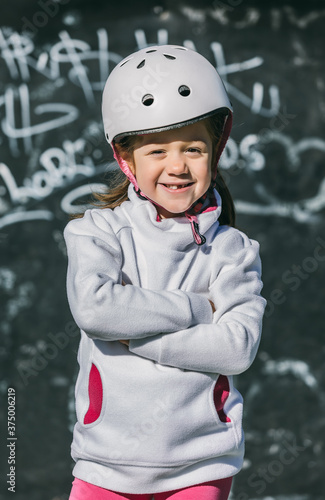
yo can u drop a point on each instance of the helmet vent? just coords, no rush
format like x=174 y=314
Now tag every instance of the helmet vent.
x=184 y=90
x=122 y=64
x=169 y=57
x=152 y=50
x=141 y=64
x=147 y=99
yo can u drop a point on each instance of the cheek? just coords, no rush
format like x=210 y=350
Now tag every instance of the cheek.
x=208 y=174
x=207 y=182
x=143 y=175
x=131 y=163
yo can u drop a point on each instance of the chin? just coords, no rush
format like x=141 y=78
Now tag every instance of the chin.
x=169 y=212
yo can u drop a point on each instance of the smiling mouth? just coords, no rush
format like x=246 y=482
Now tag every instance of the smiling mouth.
x=177 y=186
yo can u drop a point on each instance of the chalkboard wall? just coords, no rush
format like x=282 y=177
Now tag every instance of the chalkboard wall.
x=54 y=59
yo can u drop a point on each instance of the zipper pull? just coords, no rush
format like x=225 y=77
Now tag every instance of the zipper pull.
x=198 y=237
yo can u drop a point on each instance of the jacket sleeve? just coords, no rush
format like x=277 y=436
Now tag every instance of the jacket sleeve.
x=104 y=308
x=229 y=344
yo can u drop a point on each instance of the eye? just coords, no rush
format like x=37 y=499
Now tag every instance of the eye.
x=157 y=152
x=194 y=150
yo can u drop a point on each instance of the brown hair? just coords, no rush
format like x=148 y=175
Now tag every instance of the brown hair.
x=215 y=125
x=117 y=192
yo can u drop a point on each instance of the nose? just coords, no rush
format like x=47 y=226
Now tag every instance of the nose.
x=176 y=164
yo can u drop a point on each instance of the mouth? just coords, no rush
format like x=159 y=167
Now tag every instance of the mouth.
x=175 y=187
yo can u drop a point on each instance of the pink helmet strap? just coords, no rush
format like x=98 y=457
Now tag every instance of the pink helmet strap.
x=124 y=167
x=223 y=141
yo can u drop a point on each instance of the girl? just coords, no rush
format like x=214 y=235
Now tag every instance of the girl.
x=165 y=291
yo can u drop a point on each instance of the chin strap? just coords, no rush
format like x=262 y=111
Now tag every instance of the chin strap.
x=125 y=168
x=142 y=196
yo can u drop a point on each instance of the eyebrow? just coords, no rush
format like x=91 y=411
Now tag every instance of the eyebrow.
x=159 y=142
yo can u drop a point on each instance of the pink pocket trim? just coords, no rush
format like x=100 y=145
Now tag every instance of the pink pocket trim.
x=95 y=392
x=220 y=395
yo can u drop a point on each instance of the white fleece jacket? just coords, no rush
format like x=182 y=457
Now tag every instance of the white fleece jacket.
x=164 y=413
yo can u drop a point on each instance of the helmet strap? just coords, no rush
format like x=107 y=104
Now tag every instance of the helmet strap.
x=124 y=166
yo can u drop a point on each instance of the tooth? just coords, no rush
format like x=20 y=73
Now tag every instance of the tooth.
x=175 y=186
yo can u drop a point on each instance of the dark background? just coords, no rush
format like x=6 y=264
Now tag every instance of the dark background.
x=271 y=55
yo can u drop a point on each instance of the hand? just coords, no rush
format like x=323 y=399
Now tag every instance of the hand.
x=212 y=305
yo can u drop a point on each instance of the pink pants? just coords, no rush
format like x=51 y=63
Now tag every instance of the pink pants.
x=213 y=490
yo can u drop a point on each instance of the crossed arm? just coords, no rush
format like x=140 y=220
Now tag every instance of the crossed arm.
x=174 y=328
x=127 y=342
x=228 y=344
x=102 y=306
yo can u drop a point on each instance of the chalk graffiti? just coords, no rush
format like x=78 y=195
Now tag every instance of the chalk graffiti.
x=59 y=166
x=67 y=63
x=68 y=113
x=16 y=51
x=221 y=12
x=60 y=169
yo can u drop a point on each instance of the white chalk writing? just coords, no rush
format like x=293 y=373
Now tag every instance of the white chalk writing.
x=66 y=64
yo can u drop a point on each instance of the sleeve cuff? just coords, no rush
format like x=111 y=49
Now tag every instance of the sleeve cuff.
x=201 y=309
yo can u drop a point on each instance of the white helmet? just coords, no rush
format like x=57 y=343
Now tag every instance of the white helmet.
x=160 y=88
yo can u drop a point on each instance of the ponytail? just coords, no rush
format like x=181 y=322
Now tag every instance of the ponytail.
x=215 y=126
x=228 y=214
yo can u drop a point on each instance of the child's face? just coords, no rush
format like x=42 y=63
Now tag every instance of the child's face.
x=173 y=168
